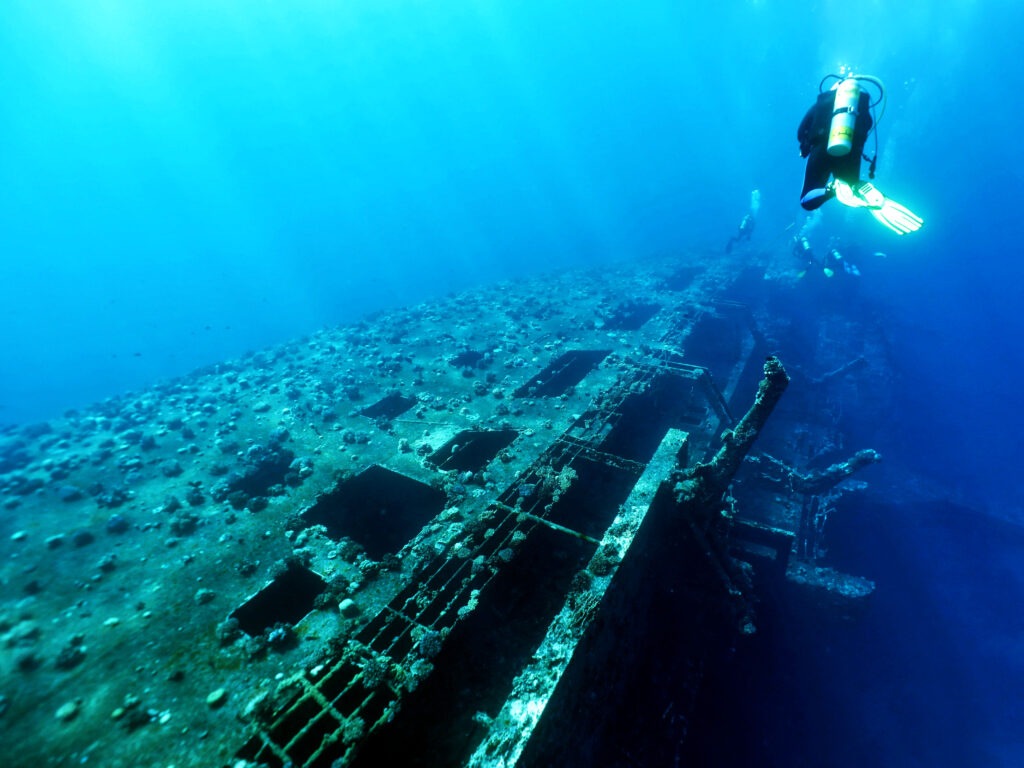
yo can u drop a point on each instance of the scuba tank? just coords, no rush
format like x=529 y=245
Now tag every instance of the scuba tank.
x=844 y=117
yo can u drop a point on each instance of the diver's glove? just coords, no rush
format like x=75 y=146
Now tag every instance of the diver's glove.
x=896 y=217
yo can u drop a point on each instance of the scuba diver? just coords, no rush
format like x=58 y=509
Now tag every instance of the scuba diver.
x=744 y=232
x=803 y=254
x=802 y=251
x=746 y=228
x=834 y=263
x=832 y=137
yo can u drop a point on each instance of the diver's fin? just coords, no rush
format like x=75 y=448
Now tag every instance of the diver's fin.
x=896 y=217
x=860 y=195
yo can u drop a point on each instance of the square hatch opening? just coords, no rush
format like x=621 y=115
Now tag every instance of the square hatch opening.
x=563 y=373
x=645 y=417
x=389 y=407
x=681 y=279
x=285 y=600
x=469 y=358
x=378 y=509
x=472 y=450
x=630 y=316
x=716 y=342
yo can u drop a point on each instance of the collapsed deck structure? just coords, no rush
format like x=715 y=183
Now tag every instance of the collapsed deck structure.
x=500 y=529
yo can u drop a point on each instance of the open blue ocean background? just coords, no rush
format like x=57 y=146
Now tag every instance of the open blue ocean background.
x=183 y=181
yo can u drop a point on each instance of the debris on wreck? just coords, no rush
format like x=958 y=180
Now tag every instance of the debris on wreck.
x=435 y=537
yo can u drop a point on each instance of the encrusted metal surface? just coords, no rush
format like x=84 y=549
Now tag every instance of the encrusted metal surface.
x=384 y=542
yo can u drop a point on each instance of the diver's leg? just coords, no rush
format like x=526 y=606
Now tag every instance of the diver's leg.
x=815 y=192
x=848 y=168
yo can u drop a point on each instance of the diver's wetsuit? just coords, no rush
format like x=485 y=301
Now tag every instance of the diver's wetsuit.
x=813 y=137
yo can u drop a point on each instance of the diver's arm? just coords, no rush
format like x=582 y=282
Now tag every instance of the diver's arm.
x=803 y=133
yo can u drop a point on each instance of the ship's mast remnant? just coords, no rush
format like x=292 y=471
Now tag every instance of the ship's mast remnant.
x=706 y=483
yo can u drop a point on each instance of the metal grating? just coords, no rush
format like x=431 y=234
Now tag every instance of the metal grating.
x=333 y=709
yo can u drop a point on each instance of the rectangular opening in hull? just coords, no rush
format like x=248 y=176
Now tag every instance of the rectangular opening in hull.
x=681 y=279
x=563 y=373
x=469 y=358
x=669 y=401
x=285 y=600
x=630 y=316
x=589 y=505
x=389 y=407
x=472 y=450
x=716 y=343
x=378 y=509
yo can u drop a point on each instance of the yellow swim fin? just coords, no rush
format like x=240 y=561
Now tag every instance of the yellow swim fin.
x=896 y=217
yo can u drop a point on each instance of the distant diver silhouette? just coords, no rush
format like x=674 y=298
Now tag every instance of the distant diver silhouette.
x=746 y=228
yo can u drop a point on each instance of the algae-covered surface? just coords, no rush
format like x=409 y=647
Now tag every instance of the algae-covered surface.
x=441 y=534
x=137 y=528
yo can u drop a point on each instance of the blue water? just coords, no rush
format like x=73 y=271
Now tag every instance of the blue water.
x=183 y=181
